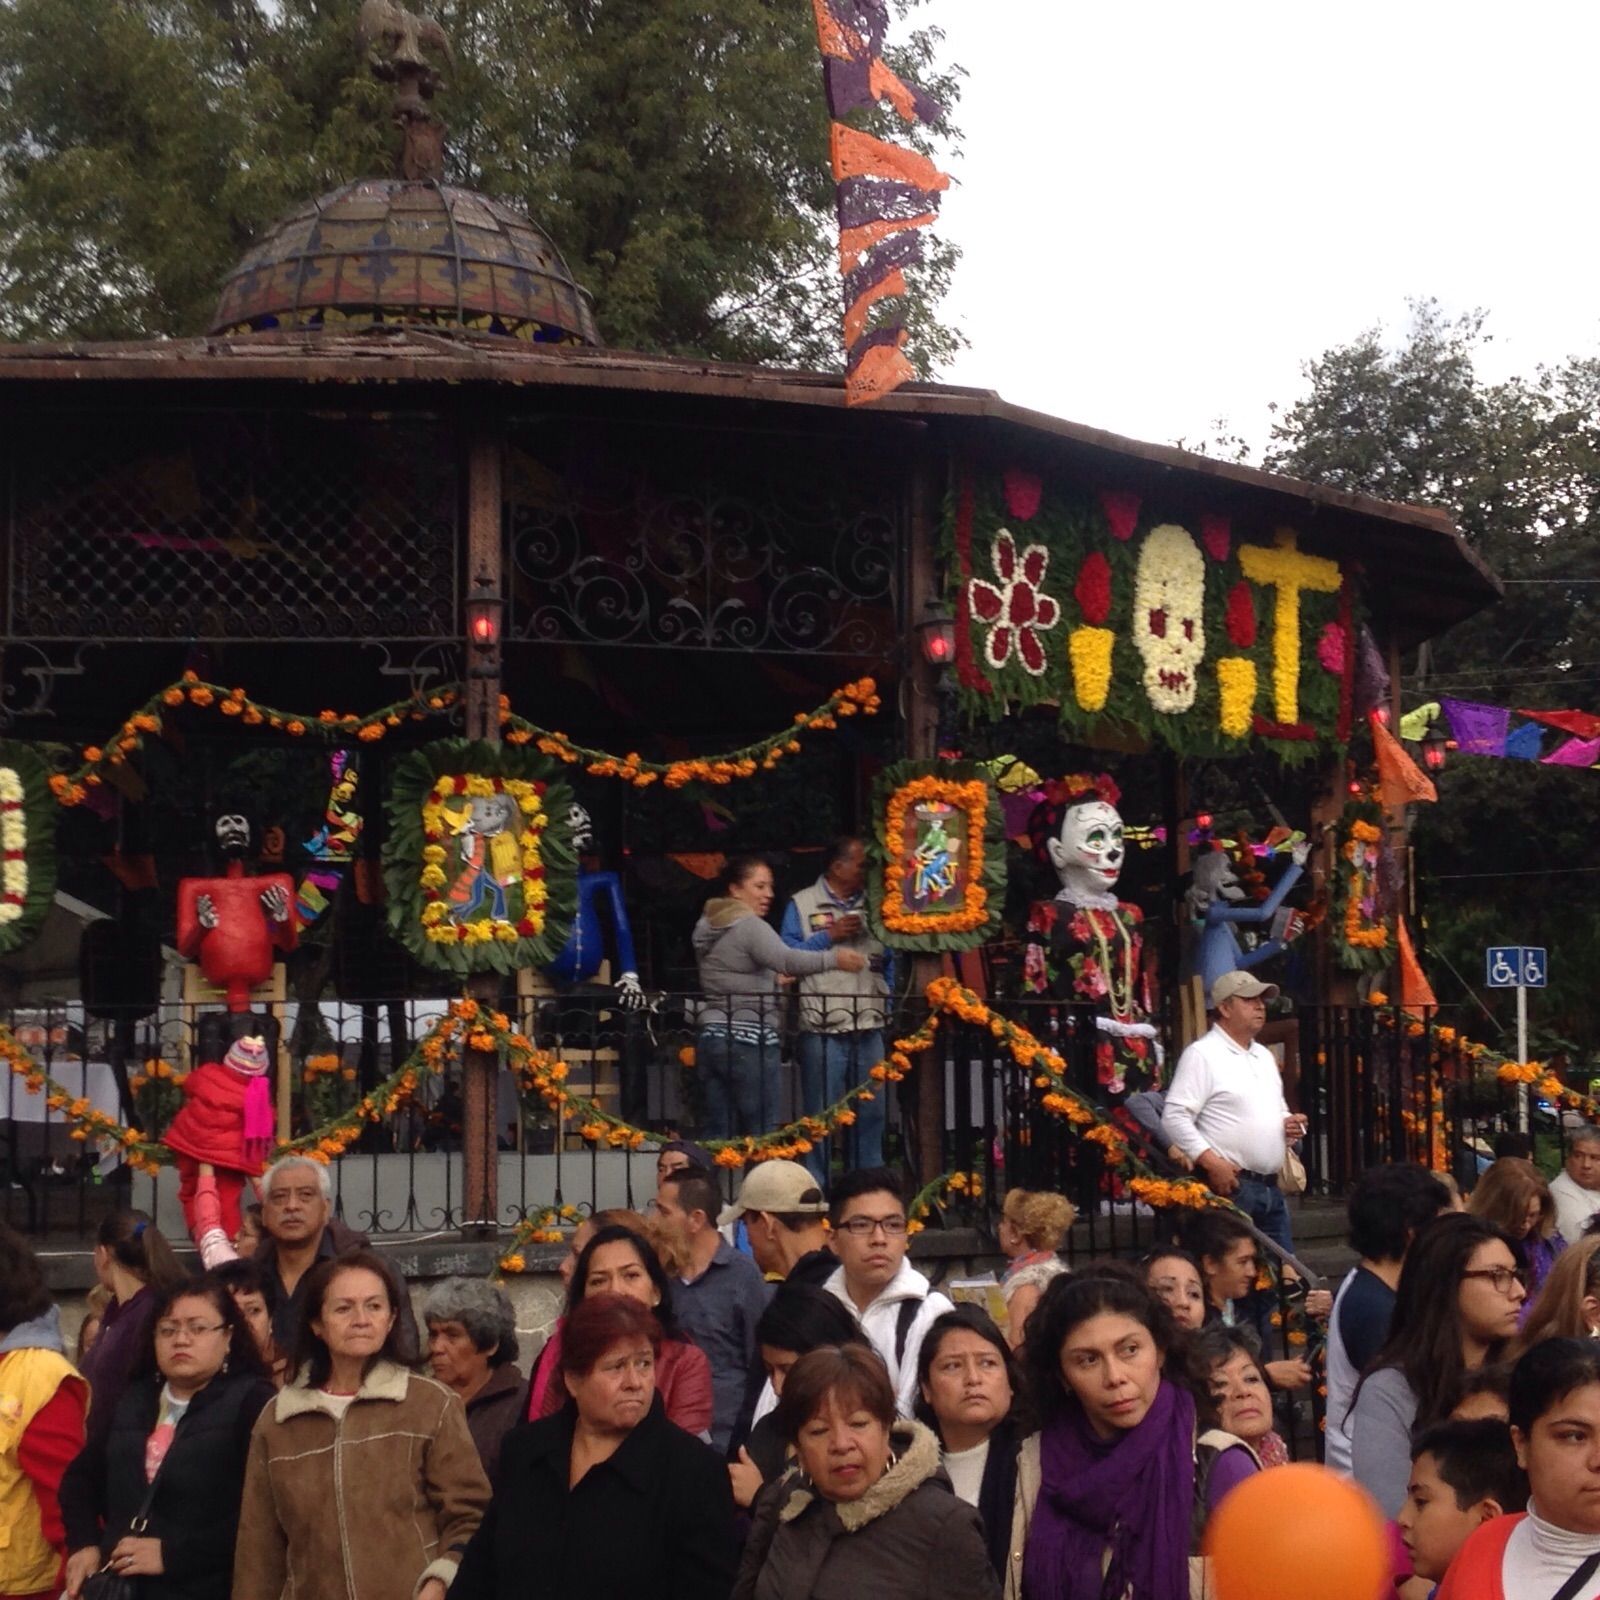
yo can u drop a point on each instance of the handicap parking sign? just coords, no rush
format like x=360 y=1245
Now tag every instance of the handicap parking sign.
x=1516 y=966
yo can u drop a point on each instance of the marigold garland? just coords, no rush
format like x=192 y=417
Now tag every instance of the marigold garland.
x=859 y=698
x=540 y=1228
x=72 y=788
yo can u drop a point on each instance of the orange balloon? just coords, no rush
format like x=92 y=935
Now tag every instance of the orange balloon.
x=1299 y=1531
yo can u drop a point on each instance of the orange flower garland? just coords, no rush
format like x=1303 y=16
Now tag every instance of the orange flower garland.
x=71 y=789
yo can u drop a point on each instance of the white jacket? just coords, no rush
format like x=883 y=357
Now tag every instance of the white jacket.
x=880 y=1322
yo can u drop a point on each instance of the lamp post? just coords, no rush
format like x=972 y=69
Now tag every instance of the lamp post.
x=483 y=620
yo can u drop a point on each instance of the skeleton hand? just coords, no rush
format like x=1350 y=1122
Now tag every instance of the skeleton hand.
x=275 y=902
x=630 y=995
x=1301 y=853
x=205 y=911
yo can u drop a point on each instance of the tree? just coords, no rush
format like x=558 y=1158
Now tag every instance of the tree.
x=675 y=152
x=1518 y=466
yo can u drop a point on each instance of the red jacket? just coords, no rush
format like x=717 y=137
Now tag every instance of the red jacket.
x=683 y=1380
x=1479 y=1566
x=209 y=1125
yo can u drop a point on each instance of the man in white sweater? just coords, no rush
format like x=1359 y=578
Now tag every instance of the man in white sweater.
x=1225 y=1110
x=887 y=1296
x=1576 y=1188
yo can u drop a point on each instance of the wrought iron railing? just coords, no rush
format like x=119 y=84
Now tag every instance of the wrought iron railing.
x=1375 y=1085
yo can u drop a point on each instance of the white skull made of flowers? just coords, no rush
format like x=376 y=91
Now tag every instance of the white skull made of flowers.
x=1169 y=616
x=1089 y=852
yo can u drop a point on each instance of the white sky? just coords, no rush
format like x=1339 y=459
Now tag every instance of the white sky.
x=1166 y=208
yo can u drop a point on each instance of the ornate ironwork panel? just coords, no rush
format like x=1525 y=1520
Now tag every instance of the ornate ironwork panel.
x=241 y=526
x=709 y=541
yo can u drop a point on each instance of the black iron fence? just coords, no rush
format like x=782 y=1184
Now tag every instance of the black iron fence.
x=1376 y=1085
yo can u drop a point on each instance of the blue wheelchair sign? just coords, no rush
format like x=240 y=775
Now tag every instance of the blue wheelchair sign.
x=1516 y=966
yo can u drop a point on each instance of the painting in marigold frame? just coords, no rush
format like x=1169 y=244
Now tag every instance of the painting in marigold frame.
x=480 y=865
x=938 y=858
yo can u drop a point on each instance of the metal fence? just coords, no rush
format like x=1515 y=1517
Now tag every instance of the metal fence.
x=1375 y=1085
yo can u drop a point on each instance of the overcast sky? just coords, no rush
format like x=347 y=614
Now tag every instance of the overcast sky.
x=1166 y=208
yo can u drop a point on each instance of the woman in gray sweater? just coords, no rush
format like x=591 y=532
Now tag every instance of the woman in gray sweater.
x=741 y=957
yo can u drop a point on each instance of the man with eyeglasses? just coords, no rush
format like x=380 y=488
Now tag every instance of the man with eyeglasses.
x=888 y=1297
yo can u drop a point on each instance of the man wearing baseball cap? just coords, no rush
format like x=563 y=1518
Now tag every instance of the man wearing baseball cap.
x=783 y=1207
x=1226 y=1111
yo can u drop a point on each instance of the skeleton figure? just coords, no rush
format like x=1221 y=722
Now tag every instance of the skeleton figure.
x=1089 y=854
x=233 y=924
x=585 y=947
x=1169 y=617
x=486 y=836
x=1214 y=901
x=936 y=864
x=1086 y=946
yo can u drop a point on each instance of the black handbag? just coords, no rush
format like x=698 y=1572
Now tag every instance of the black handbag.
x=107 y=1583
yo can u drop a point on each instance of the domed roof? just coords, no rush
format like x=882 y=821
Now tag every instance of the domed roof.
x=394 y=250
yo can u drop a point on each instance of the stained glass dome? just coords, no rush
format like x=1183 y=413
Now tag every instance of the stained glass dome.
x=392 y=250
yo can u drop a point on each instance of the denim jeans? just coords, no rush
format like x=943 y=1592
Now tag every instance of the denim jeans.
x=1265 y=1206
x=831 y=1063
x=742 y=1081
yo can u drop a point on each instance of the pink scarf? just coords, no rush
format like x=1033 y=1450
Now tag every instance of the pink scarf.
x=260 y=1126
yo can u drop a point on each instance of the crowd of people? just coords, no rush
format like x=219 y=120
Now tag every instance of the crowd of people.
x=766 y=1399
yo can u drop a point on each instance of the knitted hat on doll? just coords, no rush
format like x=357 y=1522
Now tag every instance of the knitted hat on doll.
x=248 y=1057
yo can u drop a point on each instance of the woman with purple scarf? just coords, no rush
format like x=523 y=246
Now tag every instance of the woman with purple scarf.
x=1127 y=1477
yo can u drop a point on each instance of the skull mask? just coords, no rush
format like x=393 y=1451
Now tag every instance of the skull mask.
x=1214 y=879
x=233 y=833
x=1169 y=616
x=1089 y=853
x=582 y=826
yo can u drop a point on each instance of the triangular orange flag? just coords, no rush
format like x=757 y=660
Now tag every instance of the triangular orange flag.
x=1416 y=993
x=1399 y=777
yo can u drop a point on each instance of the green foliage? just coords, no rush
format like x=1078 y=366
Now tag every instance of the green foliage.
x=1518 y=465
x=676 y=153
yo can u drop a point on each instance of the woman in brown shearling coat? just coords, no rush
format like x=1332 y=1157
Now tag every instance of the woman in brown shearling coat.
x=363 y=1482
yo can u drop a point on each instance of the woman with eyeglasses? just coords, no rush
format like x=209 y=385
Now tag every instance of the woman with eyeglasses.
x=1456 y=1307
x=1514 y=1196
x=180 y=1438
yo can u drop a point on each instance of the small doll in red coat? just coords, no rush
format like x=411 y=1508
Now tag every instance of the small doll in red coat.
x=220 y=1138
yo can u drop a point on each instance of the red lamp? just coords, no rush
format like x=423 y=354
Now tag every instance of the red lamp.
x=936 y=635
x=485 y=612
x=1433 y=749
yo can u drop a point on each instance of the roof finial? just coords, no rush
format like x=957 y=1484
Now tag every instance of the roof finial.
x=398 y=45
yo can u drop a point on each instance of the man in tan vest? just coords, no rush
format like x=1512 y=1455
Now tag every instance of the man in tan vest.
x=842 y=1014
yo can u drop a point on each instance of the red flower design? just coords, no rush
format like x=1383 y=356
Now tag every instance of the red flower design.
x=1216 y=535
x=1242 y=615
x=1121 y=507
x=1017 y=609
x=1024 y=490
x=1093 y=589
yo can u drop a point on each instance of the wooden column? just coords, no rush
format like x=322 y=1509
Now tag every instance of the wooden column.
x=921 y=702
x=480 y=1200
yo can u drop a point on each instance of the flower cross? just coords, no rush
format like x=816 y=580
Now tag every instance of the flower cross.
x=1017 y=610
